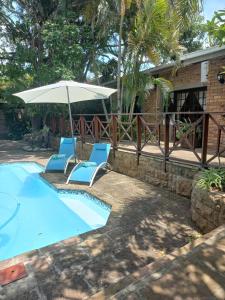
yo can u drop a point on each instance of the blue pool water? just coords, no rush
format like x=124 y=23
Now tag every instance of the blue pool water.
x=34 y=214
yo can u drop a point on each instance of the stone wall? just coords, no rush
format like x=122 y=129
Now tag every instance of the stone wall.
x=207 y=208
x=178 y=178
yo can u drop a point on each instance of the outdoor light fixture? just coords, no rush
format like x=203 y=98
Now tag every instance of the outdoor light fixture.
x=221 y=77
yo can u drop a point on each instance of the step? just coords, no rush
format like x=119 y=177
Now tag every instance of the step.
x=183 y=273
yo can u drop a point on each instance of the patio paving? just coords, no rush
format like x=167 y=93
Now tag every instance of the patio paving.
x=146 y=223
x=195 y=271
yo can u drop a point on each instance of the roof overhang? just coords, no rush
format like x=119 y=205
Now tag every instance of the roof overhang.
x=191 y=58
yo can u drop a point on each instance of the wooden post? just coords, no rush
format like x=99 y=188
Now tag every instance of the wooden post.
x=139 y=133
x=82 y=129
x=96 y=129
x=62 y=126
x=114 y=133
x=159 y=134
x=166 y=140
x=53 y=125
x=218 y=143
x=205 y=136
x=174 y=134
x=218 y=140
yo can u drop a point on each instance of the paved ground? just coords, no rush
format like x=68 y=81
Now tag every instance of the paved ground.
x=146 y=223
x=193 y=272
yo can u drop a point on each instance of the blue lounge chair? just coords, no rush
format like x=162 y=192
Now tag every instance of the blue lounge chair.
x=60 y=161
x=86 y=171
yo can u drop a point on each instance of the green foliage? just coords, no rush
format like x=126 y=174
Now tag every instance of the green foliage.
x=145 y=32
x=212 y=179
x=18 y=123
x=184 y=127
x=45 y=41
x=18 y=128
x=216 y=28
x=165 y=86
x=154 y=36
x=63 y=50
x=192 y=37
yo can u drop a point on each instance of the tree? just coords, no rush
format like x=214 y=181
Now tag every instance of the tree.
x=111 y=16
x=144 y=32
x=44 y=41
x=155 y=36
x=193 y=36
x=216 y=28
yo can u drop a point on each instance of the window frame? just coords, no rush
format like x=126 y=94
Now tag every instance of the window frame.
x=174 y=101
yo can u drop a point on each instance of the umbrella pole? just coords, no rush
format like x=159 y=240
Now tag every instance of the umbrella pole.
x=70 y=115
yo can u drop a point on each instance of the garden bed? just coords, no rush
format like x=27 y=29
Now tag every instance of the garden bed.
x=207 y=207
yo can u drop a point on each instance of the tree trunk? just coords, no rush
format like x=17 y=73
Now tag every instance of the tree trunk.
x=95 y=71
x=132 y=108
x=119 y=102
x=103 y=103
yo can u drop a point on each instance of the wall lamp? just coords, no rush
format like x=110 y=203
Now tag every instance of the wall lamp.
x=221 y=77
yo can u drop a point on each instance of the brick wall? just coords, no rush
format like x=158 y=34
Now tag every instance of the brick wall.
x=215 y=98
x=152 y=105
x=215 y=90
x=190 y=77
x=184 y=78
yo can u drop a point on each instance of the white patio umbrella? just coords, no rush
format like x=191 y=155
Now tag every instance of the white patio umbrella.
x=65 y=92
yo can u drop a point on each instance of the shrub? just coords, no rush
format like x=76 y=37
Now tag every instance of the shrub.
x=212 y=179
x=17 y=129
x=183 y=128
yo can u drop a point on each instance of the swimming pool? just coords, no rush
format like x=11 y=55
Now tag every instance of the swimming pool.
x=34 y=214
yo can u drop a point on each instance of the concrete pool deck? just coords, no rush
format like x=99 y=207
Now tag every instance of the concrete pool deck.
x=146 y=224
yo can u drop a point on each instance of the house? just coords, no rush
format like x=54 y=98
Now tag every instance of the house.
x=198 y=86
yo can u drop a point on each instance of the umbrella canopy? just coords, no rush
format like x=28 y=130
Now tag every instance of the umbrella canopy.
x=65 y=92
x=58 y=93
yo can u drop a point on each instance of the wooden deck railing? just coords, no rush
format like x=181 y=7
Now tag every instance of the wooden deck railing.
x=172 y=136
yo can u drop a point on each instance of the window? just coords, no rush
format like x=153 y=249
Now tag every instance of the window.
x=188 y=100
x=202 y=98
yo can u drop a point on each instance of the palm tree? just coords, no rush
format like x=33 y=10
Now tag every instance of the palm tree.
x=154 y=36
x=147 y=31
x=124 y=5
x=216 y=28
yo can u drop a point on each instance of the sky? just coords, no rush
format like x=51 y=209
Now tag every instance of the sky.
x=212 y=5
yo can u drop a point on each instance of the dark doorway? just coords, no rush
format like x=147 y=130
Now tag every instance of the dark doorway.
x=190 y=100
